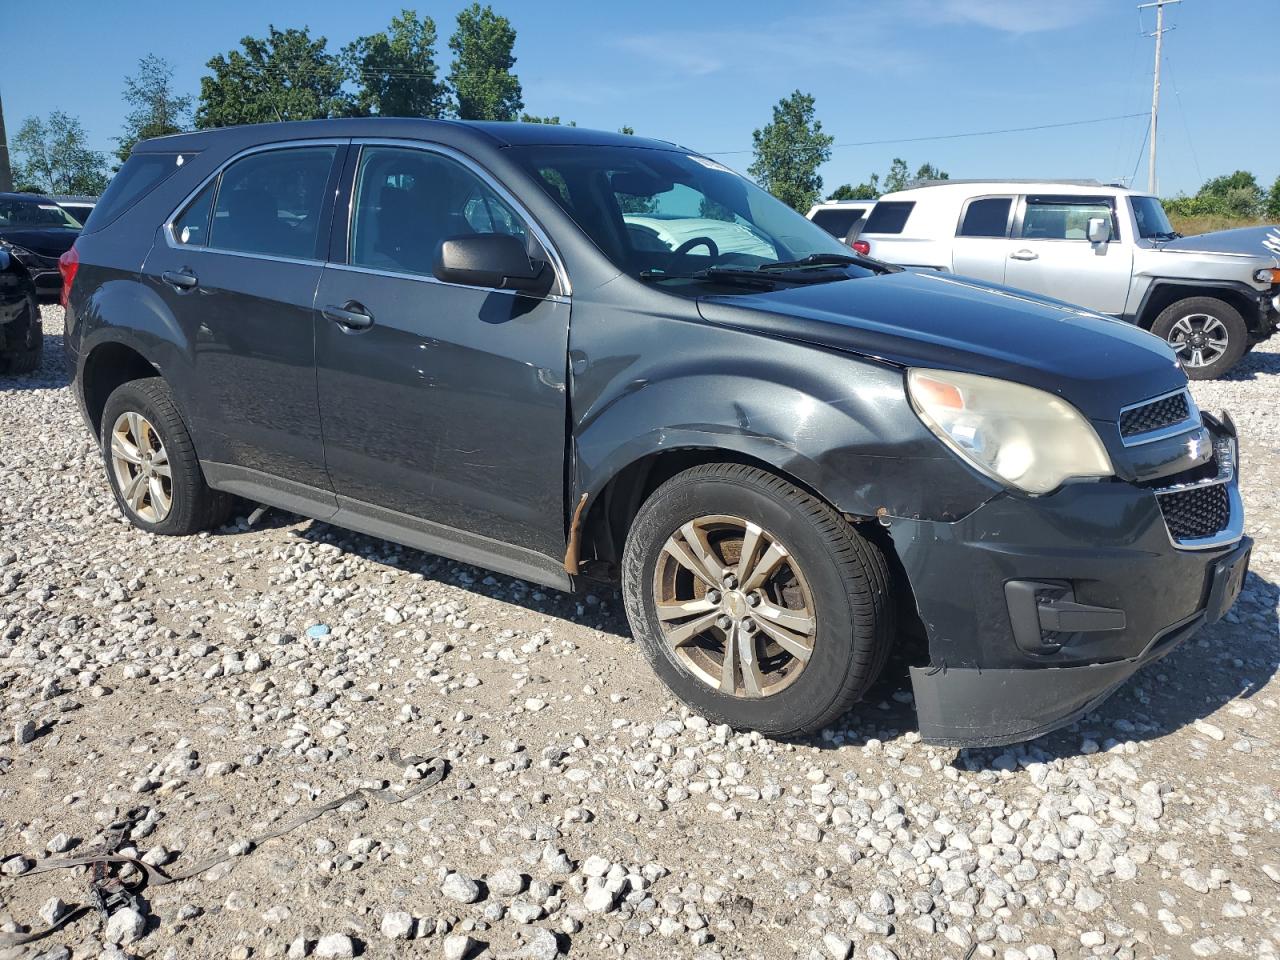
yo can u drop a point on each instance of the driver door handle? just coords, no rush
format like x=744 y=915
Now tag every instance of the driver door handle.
x=1024 y=255
x=182 y=279
x=351 y=315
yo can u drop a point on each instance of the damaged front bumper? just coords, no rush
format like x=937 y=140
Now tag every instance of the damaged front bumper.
x=1038 y=609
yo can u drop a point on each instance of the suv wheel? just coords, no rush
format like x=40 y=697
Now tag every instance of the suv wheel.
x=1208 y=335
x=152 y=465
x=756 y=603
x=22 y=344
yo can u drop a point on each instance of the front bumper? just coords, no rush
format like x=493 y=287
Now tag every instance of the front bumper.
x=1100 y=570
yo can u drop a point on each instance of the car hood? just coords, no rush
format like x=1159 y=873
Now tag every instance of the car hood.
x=1260 y=242
x=1097 y=363
x=46 y=241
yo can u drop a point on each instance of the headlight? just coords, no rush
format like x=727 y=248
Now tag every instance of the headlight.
x=1018 y=435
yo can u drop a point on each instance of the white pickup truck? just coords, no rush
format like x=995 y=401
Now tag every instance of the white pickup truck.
x=1106 y=248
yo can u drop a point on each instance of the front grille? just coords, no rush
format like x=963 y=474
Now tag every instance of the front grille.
x=1196 y=513
x=1149 y=417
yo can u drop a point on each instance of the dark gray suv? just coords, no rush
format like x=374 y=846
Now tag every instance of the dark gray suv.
x=567 y=355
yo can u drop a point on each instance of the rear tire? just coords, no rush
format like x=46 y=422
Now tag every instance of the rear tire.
x=151 y=463
x=830 y=590
x=1208 y=334
x=23 y=348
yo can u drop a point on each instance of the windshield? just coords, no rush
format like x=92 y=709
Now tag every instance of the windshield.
x=34 y=213
x=1153 y=223
x=659 y=214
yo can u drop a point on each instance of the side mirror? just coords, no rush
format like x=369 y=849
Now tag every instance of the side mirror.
x=1099 y=230
x=488 y=260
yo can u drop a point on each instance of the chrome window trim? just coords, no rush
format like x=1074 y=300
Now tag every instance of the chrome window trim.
x=1226 y=451
x=1192 y=422
x=428 y=278
x=167 y=229
x=557 y=262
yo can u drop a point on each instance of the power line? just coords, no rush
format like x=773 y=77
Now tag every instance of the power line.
x=1155 y=87
x=954 y=136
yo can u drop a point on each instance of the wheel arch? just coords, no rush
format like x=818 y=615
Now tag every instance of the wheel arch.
x=107 y=366
x=1162 y=294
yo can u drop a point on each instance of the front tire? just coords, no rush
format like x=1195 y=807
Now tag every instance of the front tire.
x=151 y=463
x=755 y=602
x=1208 y=334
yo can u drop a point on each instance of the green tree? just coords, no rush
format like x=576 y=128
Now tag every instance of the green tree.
x=928 y=171
x=157 y=110
x=553 y=121
x=53 y=156
x=789 y=150
x=285 y=76
x=629 y=131
x=897 y=177
x=863 y=191
x=395 y=71
x=483 y=84
x=1272 y=211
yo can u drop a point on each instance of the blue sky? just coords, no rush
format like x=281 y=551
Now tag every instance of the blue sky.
x=707 y=73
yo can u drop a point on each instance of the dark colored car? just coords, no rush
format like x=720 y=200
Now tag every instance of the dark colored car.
x=488 y=341
x=21 y=334
x=37 y=232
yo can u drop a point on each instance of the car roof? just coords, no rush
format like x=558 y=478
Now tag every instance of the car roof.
x=31 y=197
x=67 y=198
x=971 y=188
x=487 y=133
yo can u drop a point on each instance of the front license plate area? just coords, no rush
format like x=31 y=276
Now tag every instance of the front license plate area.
x=1228 y=581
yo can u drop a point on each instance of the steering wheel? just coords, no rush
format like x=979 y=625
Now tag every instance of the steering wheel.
x=693 y=242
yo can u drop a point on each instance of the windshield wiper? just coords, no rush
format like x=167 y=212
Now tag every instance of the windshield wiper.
x=825 y=260
x=1166 y=235
x=746 y=278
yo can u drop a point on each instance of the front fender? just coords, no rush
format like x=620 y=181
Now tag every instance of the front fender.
x=839 y=424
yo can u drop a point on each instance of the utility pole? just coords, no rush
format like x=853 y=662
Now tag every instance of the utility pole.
x=6 y=174
x=1155 y=88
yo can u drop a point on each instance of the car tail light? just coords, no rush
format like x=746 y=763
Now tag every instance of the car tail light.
x=862 y=247
x=68 y=264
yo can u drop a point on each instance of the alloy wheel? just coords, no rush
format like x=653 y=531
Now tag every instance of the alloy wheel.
x=1199 y=339
x=734 y=606
x=141 y=466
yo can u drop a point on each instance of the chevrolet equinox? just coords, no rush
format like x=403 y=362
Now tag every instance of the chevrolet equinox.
x=566 y=355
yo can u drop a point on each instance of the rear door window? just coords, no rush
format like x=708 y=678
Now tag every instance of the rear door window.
x=141 y=174
x=269 y=203
x=1065 y=218
x=191 y=226
x=986 y=217
x=889 y=216
x=838 y=221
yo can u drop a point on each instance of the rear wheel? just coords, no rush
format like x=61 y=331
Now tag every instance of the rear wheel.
x=151 y=463
x=22 y=350
x=1208 y=334
x=756 y=603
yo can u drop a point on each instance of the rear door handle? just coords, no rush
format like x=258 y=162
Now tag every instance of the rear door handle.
x=1024 y=255
x=180 y=279
x=352 y=315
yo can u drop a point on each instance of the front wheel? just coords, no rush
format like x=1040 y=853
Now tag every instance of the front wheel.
x=756 y=603
x=1208 y=334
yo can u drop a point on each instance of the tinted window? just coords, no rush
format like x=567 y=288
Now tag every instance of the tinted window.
x=838 y=222
x=986 y=218
x=269 y=203
x=141 y=174
x=191 y=227
x=1153 y=223
x=889 y=217
x=409 y=201
x=1064 y=218
x=34 y=213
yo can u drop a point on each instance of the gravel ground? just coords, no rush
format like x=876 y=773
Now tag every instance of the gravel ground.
x=584 y=812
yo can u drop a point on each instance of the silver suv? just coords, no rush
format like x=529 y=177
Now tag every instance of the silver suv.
x=1105 y=248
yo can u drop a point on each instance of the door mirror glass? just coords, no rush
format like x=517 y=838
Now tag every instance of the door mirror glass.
x=1099 y=230
x=494 y=260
